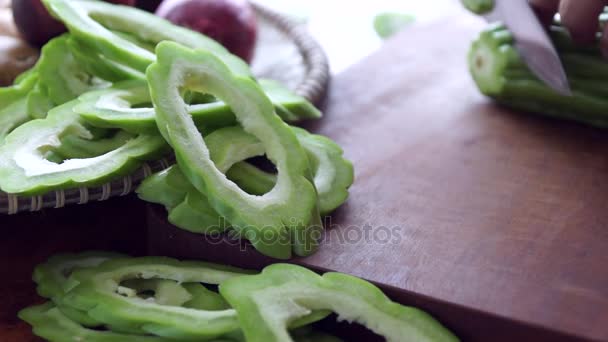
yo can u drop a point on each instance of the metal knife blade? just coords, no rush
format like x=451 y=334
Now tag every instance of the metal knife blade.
x=532 y=42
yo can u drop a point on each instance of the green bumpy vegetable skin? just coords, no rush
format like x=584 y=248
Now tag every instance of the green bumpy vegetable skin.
x=53 y=325
x=52 y=277
x=267 y=302
x=114 y=107
x=97 y=293
x=24 y=169
x=276 y=223
x=63 y=77
x=500 y=72
x=92 y=23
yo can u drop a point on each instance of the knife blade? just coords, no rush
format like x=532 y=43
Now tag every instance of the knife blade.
x=532 y=42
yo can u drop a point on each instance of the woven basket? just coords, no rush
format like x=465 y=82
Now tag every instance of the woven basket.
x=285 y=52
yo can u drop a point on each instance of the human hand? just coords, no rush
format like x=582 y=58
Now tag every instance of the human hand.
x=580 y=17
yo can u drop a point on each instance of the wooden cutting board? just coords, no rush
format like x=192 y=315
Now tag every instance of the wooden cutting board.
x=492 y=210
x=494 y=221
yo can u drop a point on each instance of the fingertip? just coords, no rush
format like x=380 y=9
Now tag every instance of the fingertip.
x=581 y=18
x=545 y=10
x=604 y=42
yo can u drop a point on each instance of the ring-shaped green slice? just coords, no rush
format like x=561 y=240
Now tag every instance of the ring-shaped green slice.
x=267 y=302
x=24 y=169
x=98 y=64
x=333 y=174
x=114 y=107
x=63 y=77
x=97 y=293
x=282 y=219
x=127 y=105
x=52 y=276
x=228 y=147
x=93 y=22
x=76 y=147
x=12 y=116
x=52 y=324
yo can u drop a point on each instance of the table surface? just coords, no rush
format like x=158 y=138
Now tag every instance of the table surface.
x=456 y=200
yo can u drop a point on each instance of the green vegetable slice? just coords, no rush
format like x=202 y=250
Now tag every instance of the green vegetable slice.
x=98 y=293
x=228 y=146
x=160 y=291
x=92 y=22
x=333 y=174
x=38 y=102
x=204 y=299
x=251 y=179
x=53 y=282
x=12 y=116
x=289 y=106
x=24 y=169
x=99 y=65
x=188 y=208
x=52 y=279
x=114 y=107
x=77 y=147
x=23 y=84
x=286 y=216
x=168 y=187
x=62 y=75
x=500 y=72
x=267 y=302
x=53 y=325
x=127 y=105
x=195 y=214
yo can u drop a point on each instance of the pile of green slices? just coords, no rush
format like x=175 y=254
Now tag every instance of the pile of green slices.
x=108 y=297
x=125 y=86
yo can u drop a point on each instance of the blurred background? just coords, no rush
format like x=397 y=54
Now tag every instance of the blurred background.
x=346 y=30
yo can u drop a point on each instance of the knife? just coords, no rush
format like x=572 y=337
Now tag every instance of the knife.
x=532 y=42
